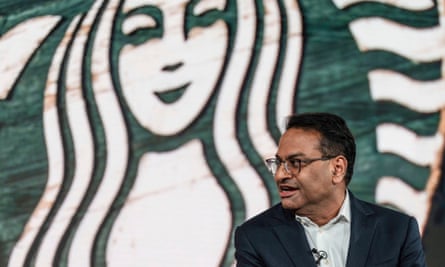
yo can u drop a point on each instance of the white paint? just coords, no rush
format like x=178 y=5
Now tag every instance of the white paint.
x=17 y=46
x=421 y=96
x=175 y=215
x=56 y=160
x=116 y=140
x=420 y=45
x=417 y=5
x=393 y=191
x=398 y=140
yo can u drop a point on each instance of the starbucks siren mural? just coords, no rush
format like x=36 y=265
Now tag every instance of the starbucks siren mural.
x=134 y=132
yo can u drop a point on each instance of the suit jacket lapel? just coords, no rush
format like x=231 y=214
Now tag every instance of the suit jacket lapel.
x=293 y=239
x=362 y=231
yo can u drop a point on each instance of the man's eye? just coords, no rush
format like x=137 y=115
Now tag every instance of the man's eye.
x=294 y=162
x=277 y=161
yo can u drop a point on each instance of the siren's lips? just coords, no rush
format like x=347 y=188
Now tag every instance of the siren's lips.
x=287 y=190
x=172 y=95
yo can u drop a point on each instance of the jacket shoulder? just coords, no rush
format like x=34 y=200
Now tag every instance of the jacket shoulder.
x=380 y=212
x=272 y=216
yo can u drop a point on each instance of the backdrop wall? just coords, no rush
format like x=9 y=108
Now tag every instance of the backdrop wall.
x=133 y=132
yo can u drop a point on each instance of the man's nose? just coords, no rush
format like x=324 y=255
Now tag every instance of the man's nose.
x=281 y=173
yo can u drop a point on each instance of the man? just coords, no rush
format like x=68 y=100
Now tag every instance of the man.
x=319 y=222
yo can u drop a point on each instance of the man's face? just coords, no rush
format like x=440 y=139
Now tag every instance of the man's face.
x=312 y=188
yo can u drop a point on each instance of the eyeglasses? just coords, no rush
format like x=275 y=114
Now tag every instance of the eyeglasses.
x=292 y=165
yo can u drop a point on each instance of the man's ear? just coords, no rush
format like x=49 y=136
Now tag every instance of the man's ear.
x=339 y=166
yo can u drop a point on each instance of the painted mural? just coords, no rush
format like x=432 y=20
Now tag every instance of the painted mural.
x=133 y=132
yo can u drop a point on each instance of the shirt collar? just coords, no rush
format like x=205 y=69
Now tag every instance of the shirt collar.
x=345 y=210
x=343 y=215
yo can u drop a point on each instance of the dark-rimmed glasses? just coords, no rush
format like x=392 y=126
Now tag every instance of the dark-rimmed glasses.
x=292 y=165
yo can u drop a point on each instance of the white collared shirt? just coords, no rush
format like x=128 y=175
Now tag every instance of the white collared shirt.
x=332 y=238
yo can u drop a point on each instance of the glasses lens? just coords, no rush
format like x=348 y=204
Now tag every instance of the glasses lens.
x=272 y=165
x=293 y=166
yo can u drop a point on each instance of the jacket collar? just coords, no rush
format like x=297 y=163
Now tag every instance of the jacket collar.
x=293 y=239
x=363 y=226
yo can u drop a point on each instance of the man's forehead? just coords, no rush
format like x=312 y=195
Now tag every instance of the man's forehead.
x=299 y=142
x=290 y=155
x=303 y=133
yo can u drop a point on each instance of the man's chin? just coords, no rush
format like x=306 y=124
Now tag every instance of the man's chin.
x=288 y=204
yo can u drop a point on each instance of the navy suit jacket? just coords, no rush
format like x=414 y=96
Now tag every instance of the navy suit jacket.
x=379 y=237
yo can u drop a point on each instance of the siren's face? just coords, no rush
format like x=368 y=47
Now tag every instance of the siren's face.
x=172 y=60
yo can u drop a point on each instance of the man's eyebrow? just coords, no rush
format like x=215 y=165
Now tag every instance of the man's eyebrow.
x=291 y=156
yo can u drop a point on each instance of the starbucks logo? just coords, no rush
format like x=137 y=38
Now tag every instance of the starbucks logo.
x=134 y=132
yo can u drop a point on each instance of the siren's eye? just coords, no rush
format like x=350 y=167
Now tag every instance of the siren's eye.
x=143 y=23
x=203 y=13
